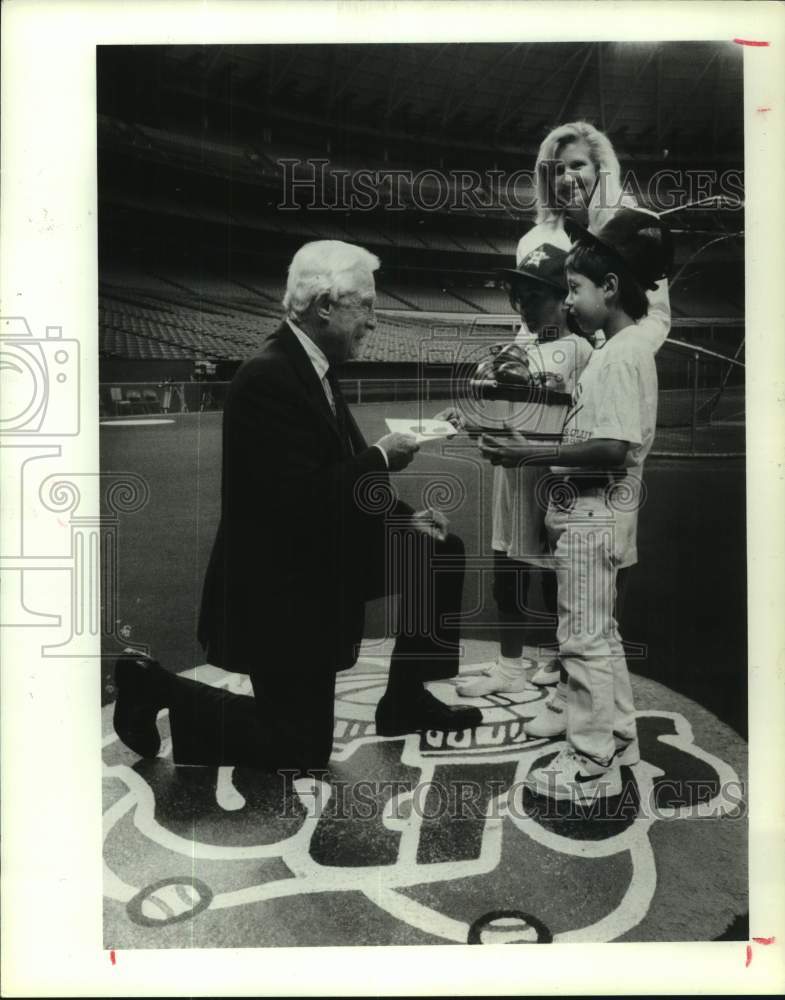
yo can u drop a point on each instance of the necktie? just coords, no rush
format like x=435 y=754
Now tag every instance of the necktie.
x=338 y=404
x=328 y=391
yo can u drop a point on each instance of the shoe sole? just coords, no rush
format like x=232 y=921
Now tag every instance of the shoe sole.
x=584 y=794
x=386 y=730
x=545 y=682
x=422 y=729
x=506 y=689
x=629 y=756
x=545 y=736
x=547 y=713
x=135 y=739
x=125 y=666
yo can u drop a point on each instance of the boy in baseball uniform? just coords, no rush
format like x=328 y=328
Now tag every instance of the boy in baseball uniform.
x=596 y=488
x=555 y=358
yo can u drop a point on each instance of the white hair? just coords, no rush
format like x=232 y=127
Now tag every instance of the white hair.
x=607 y=196
x=323 y=266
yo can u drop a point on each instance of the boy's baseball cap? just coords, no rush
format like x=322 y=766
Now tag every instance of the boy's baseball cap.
x=639 y=238
x=544 y=263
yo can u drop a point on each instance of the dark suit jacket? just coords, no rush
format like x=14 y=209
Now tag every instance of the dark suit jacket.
x=295 y=547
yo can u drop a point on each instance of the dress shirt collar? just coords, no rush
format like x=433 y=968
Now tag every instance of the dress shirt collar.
x=316 y=354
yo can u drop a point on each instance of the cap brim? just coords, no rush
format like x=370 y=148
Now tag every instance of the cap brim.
x=507 y=274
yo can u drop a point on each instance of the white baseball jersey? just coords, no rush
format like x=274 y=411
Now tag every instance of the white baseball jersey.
x=518 y=519
x=616 y=398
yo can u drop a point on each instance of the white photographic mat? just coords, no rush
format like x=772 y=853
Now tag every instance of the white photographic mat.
x=53 y=877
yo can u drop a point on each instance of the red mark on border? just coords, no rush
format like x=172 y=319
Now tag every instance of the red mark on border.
x=747 y=41
x=112 y=958
x=761 y=110
x=757 y=940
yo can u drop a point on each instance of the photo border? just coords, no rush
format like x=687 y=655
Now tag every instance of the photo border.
x=51 y=806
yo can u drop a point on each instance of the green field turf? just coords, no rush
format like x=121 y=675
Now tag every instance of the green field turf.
x=687 y=597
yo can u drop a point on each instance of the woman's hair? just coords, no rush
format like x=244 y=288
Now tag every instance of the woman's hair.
x=594 y=264
x=323 y=267
x=607 y=195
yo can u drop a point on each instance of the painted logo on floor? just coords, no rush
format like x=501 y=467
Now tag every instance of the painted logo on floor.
x=356 y=696
x=436 y=830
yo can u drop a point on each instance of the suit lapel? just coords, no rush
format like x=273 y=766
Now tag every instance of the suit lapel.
x=301 y=363
x=358 y=441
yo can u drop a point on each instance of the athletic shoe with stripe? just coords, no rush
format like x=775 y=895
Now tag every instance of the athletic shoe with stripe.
x=628 y=752
x=547 y=674
x=552 y=720
x=574 y=777
x=505 y=676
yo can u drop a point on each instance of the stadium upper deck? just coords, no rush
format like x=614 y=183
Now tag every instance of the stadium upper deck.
x=198 y=153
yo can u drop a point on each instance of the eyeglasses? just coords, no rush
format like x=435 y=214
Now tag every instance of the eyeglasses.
x=352 y=301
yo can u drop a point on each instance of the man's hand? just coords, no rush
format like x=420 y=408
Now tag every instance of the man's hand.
x=430 y=522
x=511 y=451
x=597 y=453
x=399 y=448
x=452 y=416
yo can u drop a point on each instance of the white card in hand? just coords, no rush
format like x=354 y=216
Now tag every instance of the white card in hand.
x=423 y=430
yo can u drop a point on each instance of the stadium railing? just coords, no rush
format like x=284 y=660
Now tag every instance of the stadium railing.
x=701 y=404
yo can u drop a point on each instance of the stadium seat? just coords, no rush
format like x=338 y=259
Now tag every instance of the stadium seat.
x=134 y=399
x=151 y=401
x=491 y=300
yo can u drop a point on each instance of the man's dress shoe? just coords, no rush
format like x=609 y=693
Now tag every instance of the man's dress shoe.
x=421 y=711
x=142 y=687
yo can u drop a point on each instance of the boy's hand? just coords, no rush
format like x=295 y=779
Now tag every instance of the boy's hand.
x=512 y=451
x=452 y=416
x=430 y=522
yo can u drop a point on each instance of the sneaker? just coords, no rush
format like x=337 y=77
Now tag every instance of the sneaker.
x=550 y=723
x=628 y=751
x=525 y=661
x=572 y=776
x=547 y=674
x=503 y=677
